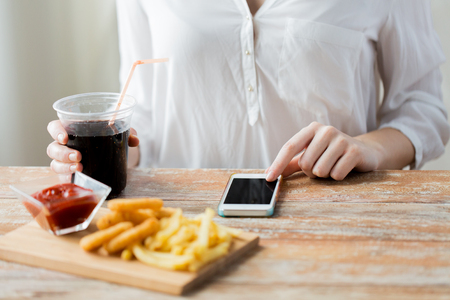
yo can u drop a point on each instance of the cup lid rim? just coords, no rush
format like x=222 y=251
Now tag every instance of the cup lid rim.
x=96 y=94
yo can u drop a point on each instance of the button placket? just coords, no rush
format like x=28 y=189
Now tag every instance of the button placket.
x=248 y=66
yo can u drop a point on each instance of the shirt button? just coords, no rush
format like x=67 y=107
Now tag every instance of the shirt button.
x=247 y=52
x=248 y=17
x=250 y=88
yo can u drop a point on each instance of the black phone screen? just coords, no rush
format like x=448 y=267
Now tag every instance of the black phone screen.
x=250 y=191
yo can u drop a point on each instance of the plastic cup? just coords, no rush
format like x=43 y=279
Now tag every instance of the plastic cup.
x=103 y=147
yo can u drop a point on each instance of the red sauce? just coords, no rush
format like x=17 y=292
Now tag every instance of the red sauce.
x=68 y=204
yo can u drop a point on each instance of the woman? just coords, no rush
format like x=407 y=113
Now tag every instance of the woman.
x=300 y=76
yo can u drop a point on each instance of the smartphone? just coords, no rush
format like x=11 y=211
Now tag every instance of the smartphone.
x=249 y=195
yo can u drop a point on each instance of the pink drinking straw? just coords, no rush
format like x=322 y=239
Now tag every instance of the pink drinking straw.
x=124 y=90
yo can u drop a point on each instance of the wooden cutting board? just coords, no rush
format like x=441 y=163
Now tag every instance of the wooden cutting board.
x=33 y=246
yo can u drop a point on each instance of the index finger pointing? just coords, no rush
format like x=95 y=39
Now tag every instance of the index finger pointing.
x=289 y=150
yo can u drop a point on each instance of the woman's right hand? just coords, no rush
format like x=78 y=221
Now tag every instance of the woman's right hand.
x=64 y=159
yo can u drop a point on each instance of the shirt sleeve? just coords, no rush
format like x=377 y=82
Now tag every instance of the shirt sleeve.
x=409 y=56
x=135 y=44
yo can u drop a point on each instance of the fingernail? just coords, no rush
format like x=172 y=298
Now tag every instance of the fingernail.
x=73 y=156
x=270 y=176
x=73 y=168
x=61 y=138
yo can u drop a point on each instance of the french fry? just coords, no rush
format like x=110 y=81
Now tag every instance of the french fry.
x=134 y=204
x=98 y=238
x=172 y=226
x=164 y=222
x=210 y=255
x=146 y=212
x=155 y=245
x=164 y=212
x=148 y=241
x=179 y=249
x=233 y=231
x=192 y=222
x=127 y=254
x=185 y=234
x=110 y=219
x=114 y=217
x=162 y=260
x=132 y=235
x=202 y=243
x=152 y=244
x=139 y=216
x=222 y=234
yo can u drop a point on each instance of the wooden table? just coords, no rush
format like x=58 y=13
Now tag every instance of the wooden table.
x=378 y=235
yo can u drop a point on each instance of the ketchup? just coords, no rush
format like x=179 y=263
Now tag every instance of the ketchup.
x=68 y=204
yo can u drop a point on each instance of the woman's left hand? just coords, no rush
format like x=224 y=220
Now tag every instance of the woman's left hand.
x=323 y=151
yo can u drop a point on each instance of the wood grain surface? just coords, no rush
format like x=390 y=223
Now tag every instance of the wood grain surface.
x=377 y=235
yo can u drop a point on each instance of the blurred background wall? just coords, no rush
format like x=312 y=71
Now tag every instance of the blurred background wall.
x=50 y=49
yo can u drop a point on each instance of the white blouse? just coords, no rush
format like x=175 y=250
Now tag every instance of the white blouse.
x=238 y=86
